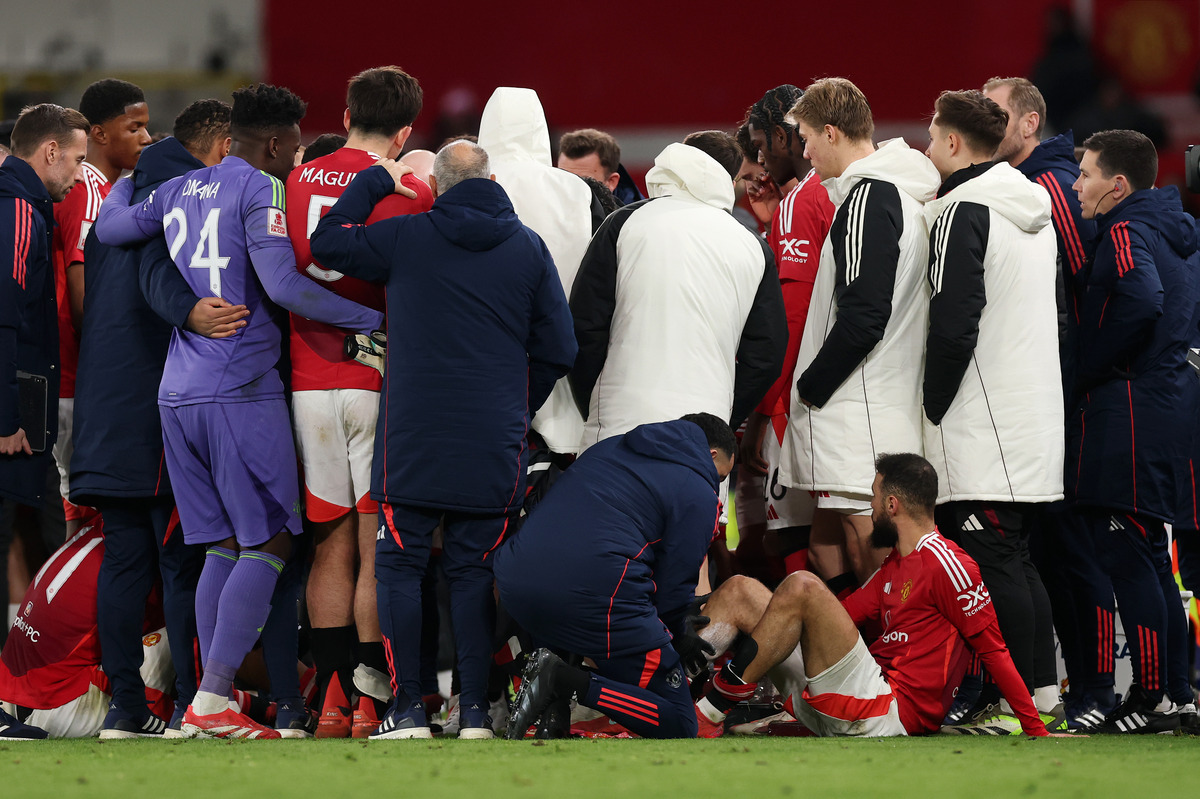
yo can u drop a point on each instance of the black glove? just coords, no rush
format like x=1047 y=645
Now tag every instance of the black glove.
x=692 y=648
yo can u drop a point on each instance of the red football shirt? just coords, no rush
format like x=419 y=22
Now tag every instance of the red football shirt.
x=73 y=218
x=318 y=356
x=924 y=605
x=53 y=648
x=798 y=232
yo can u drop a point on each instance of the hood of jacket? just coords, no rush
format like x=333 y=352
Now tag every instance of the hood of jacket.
x=475 y=215
x=159 y=163
x=894 y=162
x=1001 y=188
x=17 y=179
x=675 y=442
x=1054 y=153
x=1161 y=210
x=513 y=127
x=683 y=170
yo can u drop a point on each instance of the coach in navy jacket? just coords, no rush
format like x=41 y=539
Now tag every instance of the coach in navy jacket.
x=1133 y=424
x=607 y=564
x=28 y=319
x=479 y=331
x=1129 y=428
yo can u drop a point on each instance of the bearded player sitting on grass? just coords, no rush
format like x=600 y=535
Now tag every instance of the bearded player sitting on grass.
x=927 y=604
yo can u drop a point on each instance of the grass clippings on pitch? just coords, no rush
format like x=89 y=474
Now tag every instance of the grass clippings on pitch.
x=928 y=768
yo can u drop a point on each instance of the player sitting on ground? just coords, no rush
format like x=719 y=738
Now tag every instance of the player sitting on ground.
x=927 y=602
x=51 y=663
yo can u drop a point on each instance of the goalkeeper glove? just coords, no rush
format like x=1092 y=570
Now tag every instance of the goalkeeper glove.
x=368 y=350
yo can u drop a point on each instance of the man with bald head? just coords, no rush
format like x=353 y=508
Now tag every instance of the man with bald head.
x=476 y=299
x=421 y=163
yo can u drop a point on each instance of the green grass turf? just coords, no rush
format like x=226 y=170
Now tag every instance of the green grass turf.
x=1135 y=767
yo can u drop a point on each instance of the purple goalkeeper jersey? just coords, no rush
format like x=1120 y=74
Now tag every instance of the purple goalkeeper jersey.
x=226 y=230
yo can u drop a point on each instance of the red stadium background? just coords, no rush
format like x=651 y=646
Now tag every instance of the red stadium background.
x=639 y=64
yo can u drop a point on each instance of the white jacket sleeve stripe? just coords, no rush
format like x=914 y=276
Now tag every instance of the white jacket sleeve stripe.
x=854 y=231
x=941 y=237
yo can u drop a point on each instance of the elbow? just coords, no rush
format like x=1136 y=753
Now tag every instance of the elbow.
x=102 y=232
x=327 y=246
x=316 y=245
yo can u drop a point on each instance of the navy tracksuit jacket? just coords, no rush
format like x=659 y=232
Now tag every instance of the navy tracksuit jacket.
x=479 y=331
x=1131 y=427
x=606 y=565
x=28 y=319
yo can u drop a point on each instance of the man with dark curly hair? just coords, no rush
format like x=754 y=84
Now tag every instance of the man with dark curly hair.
x=226 y=429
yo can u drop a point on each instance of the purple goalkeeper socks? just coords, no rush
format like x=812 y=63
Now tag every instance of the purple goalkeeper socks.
x=241 y=613
x=218 y=563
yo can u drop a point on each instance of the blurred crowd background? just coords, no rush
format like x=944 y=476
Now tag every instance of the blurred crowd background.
x=648 y=73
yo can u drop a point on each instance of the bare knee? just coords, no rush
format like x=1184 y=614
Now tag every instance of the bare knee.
x=800 y=588
x=740 y=600
x=739 y=589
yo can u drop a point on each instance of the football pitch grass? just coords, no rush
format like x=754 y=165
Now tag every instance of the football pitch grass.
x=1145 y=767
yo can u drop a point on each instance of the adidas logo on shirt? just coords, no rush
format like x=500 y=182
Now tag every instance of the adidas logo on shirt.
x=1115 y=524
x=972 y=524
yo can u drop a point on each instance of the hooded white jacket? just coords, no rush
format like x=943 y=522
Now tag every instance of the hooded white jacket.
x=677 y=306
x=861 y=355
x=556 y=205
x=992 y=380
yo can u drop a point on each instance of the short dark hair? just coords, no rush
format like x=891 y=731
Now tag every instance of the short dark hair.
x=718 y=144
x=38 y=124
x=323 y=145
x=584 y=142
x=836 y=102
x=1023 y=97
x=200 y=125
x=1125 y=152
x=261 y=107
x=742 y=137
x=716 y=432
x=980 y=121
x=772 y=111
x=383 y=100
x=911 y=478
x=107 y=99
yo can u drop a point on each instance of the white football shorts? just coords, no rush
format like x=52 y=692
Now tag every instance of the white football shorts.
x=850 y=698
x=335 y=437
